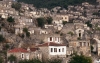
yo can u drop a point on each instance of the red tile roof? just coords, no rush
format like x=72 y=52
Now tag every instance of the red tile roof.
x=15 y=50
x=33 y=49
x=50 y=44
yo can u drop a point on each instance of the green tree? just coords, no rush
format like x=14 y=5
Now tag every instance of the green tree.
x=80 y=59
x=89 y=24
x=10 y=19
x=16 y=6
x=41 y=21
x=71 y=33
x=49 y=20
x=12 y=58
x=54 y=3
x=55 y=61
x=2 y=38
x=1 y=60
x=28 y=34
x=31 y=61
x=64 y=22
x=25 y=30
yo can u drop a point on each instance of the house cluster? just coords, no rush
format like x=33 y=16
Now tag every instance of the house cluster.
x=57 y=40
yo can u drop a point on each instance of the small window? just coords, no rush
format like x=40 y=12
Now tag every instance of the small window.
x=62 y=17
x=62 y=49
x=88 y=44
x=51 y=49
x=59 y=50
x=55 y=49
x=65 y=17
x=55 y=38
x=22 y=55
x=50 y=38
x=84 y=43
x=80 y=43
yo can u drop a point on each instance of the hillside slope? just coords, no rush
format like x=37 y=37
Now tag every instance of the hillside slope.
x=53 y=3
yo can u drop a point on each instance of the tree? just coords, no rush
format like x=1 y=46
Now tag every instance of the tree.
x=10 y=19
x=16 y=6
x=25 y=30
x=54 y=3
x=71 y=33
x=64 y=22
x=31 y=61
x=1 y=38
x=55 y=61
x=89 y=24
x=12 y=58
x=49 y=20
x=1 y=60
x=28 y=34
x=41 y=21
x=80 y=59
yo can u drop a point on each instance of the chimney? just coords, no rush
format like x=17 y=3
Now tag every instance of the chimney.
x=28 y=49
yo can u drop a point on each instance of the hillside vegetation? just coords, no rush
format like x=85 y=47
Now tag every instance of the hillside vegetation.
x=53 y=3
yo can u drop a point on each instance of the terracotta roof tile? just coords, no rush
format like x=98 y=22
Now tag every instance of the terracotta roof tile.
x=50 y=44
x=15 y=50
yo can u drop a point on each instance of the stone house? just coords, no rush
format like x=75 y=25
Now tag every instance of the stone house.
x=63 y=17
x=97 y=46
x=52 y=50
x=20 y=53
x=81 y=47
x=53 y=38
x=29 y=53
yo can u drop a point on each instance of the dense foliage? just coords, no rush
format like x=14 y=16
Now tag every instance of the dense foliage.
x=10 y=19
x=1 y=38
x=12 y=58
x=16 y=6
x=55 y=61
x=25 y=30
x=30 y=61
x=80 y=59
x=41 y=21
x=53 y=3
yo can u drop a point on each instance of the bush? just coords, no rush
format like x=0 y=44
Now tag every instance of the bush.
x=16 y=6
x=10 y=19
x=55 y=61
x=80 y=59
x=64 y=22
x=49 y=20
x=41 y=21
x=2 y=38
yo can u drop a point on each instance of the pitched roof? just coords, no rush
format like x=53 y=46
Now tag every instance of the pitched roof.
x=33 y=49
x=50 y=44
x=15 y=50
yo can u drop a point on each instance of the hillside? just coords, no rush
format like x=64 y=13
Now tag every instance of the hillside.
x=53 y=3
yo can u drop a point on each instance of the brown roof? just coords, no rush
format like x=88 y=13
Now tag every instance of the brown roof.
x=33 y=49
x=15 y=50
x=50 y=44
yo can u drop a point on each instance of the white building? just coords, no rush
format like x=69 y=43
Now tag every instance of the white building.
x=52 y=50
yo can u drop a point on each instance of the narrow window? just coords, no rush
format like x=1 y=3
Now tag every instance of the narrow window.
x=59 y=50
x=80 y=43
x=51 y=49
x=50 y=38
x=22 y=55
x=79 y=34
x=88 y=44
x=62 y=49
x=84 y=43
x=55 y=38
x=55 y=49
